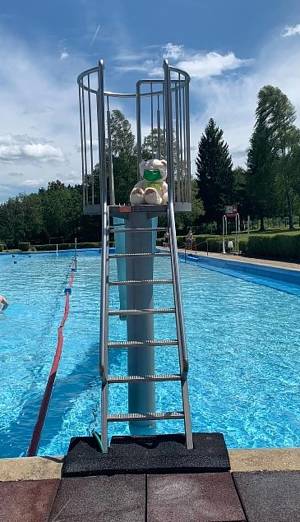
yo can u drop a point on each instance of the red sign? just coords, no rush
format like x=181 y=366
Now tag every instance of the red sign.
x=231 y=210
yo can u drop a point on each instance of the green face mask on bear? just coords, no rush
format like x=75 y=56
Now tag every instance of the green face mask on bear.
x=152 y=175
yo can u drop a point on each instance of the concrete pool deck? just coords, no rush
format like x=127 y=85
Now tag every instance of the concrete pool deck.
x=263 y=486
x=243 y=259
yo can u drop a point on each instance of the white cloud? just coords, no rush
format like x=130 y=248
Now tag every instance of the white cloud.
x=232 y=100
x=33 y=183
x=198 y=64
x=39 y=124
x=15 y=148
x=210 y=64
x=15 y=174
x=64 y=55
x=173 y=51
x=146 y=66
x=129 y=56
x=291 y=30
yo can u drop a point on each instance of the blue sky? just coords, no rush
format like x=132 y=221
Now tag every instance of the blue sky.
x=230 y=48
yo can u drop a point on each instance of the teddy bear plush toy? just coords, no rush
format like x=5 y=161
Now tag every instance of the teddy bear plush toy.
x=152 y=189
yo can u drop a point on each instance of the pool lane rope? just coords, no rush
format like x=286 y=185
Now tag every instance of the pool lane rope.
x=36 y=436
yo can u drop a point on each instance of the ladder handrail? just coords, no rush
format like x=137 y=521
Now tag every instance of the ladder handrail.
x=171 y=215
x=182 y=351
x=105 y=252
x=103 y=195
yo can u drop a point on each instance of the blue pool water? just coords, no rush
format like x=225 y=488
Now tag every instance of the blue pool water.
x=243 y=340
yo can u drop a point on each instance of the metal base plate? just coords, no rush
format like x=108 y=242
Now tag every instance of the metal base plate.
x=148 y=454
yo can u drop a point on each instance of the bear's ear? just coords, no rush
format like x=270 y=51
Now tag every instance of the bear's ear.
x=164 y=162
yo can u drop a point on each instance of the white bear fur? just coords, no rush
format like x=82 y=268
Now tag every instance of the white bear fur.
x=143 y=193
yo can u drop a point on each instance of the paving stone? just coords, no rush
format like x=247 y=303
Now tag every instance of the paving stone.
x=193 y=497
x=30 y=468
x=27 y=501
x=108 y=498
x=270 y=496
x=262 y=459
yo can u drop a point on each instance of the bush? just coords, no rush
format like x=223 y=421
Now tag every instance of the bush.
x=10 y=243
x=66 y=246
x=200 y=243
x=89 y=245
x=24 y=246
x=214 y=243
x=278 y=246
x=41 y=248
x=2 y=247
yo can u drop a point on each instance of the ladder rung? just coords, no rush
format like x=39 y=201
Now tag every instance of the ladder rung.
x=142 y=282
x=143 y=378
x=139 y=229
x=143 y=311
x=146 y=254
x=123 y=417
x=134 y=344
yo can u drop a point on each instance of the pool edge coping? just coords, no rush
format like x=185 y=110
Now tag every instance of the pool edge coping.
x=268 y=263
x=241 y=460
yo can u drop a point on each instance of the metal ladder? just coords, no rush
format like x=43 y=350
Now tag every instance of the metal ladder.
x=105 y=344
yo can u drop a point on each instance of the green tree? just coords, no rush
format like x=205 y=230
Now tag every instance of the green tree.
x=123 y=156
x=122 y=137
x=214 y=172
x=240 y=195
x=62 y=210
x=12 y=225
x=261 y=174
x=277 y=115
x=185 y=220
x=154 y=145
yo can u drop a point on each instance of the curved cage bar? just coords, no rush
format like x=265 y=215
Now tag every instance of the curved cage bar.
x=146 y=111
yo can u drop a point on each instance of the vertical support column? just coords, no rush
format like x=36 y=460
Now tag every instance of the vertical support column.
x=237 y=232
x=75 y=253
x=224 y=231
x=141 y=396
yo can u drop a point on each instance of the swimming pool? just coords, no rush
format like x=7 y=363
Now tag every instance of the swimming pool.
x=244 y=351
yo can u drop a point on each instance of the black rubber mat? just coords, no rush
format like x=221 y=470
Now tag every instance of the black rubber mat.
x=153 y=454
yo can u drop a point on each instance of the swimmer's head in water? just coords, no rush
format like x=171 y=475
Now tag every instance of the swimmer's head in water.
x=3 y=303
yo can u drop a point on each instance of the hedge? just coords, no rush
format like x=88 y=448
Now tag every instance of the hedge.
x=24 y=246
x=285 y=246
x=214 y=243
x=278 y=246
x=66 y=246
